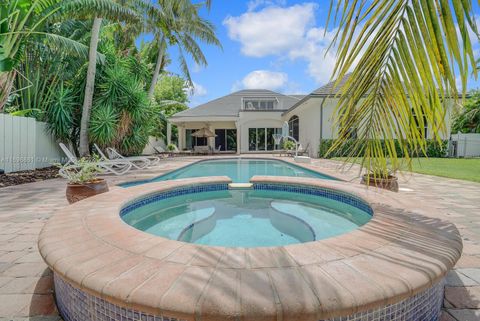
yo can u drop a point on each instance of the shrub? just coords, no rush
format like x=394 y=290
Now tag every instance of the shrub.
x=433 y=149
x=288 y=145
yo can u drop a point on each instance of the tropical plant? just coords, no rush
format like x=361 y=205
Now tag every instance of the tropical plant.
x=122 y=116
x=288 y=145
x=467 y=120
x=25 y=21
x=83 y=172
x=116 y=12
x=406 y=53
x=171 y=147
x=60 y=114
x=177 y=23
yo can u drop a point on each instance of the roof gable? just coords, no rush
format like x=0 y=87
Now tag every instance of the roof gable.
x=230 y=105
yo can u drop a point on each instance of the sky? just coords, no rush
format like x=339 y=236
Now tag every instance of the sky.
x=267 y=44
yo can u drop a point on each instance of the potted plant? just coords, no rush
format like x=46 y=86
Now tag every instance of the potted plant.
x=381 y=177
x=82 y=180
x=289 y=146
x=171 y=148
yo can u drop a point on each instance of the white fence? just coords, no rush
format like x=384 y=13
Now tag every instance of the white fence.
x=25 y=144
x=465 y=145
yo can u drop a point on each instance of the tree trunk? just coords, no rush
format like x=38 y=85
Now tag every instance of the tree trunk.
x=161 y=52
x=84 y=149
x=6 y=85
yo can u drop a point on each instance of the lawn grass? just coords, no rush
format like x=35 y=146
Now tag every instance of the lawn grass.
x=467 y=169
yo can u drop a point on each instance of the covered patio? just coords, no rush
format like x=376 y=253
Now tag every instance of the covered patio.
x=206 y=137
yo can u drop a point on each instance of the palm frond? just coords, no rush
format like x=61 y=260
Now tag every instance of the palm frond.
x=406 y=53
x=72 y=47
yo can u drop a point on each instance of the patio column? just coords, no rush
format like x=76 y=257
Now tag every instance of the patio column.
x=181 y=137
x=239 y=137
x=211 y=140
x=169 y=133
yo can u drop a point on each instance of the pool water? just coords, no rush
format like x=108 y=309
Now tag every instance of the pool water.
x=240 y=170
x=247 y=218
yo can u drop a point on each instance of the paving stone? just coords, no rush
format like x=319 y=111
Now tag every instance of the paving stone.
x=465 y=314
x=447 y=317
x=472 y=273
x=463 y=297
x=455 y=278
x=468 y=261
x=34 y=203
x=26 y=269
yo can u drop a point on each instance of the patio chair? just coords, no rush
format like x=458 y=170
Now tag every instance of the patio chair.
x=138 y=164
x=117 y=167
x=303 y=151
x=201 y=150
x=217 y=150
x=140 y=161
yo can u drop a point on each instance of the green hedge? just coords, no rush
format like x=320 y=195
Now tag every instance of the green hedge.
x=434 y=149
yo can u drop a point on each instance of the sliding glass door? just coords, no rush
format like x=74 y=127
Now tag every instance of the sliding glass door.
x=261 y=139
x=226 y=139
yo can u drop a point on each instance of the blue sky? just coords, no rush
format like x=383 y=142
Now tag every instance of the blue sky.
x=271 y=44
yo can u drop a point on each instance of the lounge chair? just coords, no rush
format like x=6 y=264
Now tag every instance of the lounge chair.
x=138 y=164
x=303 y=151
x=117 y=167
x=150 y=160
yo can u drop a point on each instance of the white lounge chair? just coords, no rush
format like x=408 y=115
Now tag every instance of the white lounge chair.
x=116 y=167
x=150 y=160
x=138 y=164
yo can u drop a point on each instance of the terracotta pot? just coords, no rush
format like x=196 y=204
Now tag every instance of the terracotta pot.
x=78 y=192
x=390 y=183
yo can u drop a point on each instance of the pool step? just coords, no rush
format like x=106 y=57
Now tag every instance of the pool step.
x=240 y=185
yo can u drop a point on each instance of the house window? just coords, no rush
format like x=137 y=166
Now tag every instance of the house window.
x=226 y=139
x=261 y=139
x=258 y=104
x=294 y=127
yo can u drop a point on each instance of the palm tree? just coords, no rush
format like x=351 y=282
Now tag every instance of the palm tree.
x=22 y=22
x=406 y=53
x=132 y=15
x=178 y=23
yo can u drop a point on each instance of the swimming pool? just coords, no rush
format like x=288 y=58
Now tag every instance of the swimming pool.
x=240 y=170
x=250 y=217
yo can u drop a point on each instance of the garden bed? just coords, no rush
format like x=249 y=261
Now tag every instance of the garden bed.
x=29 y=176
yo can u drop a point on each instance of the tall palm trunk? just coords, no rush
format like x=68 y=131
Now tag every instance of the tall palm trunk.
x=6 y=85
x=158 y=66
x=89 y=88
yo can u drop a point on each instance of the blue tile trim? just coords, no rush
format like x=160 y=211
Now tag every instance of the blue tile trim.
x=317 y=191
x=302 y=189
x=76 y=305
x=191 y=189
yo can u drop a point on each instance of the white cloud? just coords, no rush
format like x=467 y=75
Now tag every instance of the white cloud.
x=314 y=50
x=262 y=79
x=254 y=4
x=288 y=33
x=272 y=30
x=198 y=90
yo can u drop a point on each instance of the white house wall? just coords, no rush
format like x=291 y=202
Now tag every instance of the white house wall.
x=310 y=118
x=256 y=120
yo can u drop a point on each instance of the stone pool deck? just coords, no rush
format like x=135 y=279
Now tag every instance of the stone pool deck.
x=26 y=283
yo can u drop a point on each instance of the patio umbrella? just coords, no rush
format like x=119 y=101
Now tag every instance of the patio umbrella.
x=204 y=132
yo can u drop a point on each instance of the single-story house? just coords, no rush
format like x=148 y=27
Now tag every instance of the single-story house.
x=245 y=121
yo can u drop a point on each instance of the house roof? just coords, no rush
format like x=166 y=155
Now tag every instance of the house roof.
x=327 y=90
x=230 y=105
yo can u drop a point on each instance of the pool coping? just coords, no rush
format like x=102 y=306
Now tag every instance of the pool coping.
x=399 y=253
